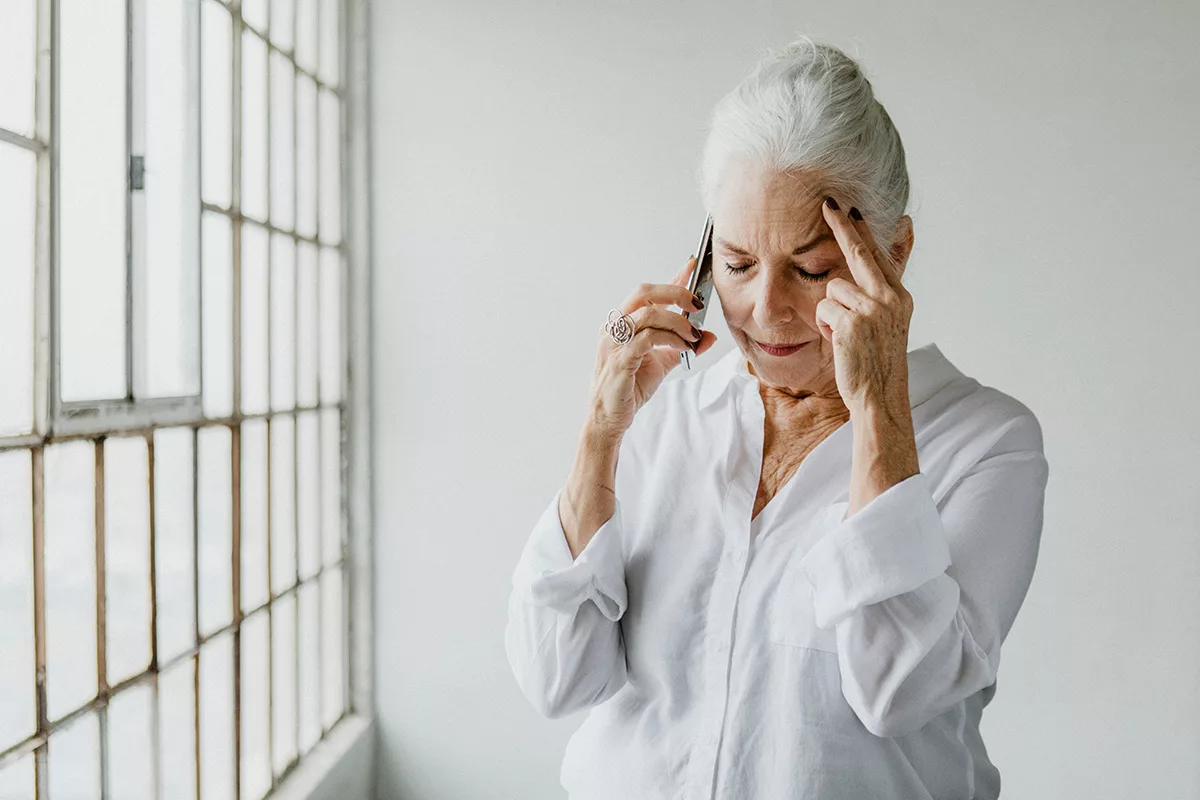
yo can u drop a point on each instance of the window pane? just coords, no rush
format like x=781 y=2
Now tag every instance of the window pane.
x=126 y=557
x=306 y=156
x=330 y=34
x=331 y=486
x=130 y=746
x=218 y=316
x=216 y=719
x=331 y=326
x=306 y=325
x=74 y=760
x=283 y=682
x=17 y=175
x=216 y=79
x=283 y=134
x=171 y=301
x=173 y=526
x=310 y=688
x=70 y=482
x=17 y=719
x=332 y=634
x=176 y=731
x=254 y=513
x=308 y=484
x=92 y=198
x=16 y=780
x=283 y=500
x=331 y=168
x=283 y=322
x=255 y=320
x=254 y=12
x=283 y=23
x=306 y=34
x=17 y=39
x=254 y=126
x=215 y=511
x=256 y=697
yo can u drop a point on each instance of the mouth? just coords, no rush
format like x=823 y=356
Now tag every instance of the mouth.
x=779 y=350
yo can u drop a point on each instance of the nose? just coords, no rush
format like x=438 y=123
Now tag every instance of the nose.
x=775 y=305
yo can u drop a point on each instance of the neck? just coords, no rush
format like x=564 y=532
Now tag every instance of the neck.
x=801 y=410
x=789 y=413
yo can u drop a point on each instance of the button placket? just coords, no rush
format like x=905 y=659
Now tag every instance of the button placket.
x=716 y=663
x=740 y=505
x=731 y=572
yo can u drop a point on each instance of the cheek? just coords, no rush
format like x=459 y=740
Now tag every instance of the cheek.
x=737 y=302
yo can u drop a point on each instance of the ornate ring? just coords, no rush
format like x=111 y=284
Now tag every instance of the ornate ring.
x=620 y=328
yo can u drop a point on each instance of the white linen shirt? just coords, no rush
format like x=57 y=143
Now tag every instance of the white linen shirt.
x=801 y=654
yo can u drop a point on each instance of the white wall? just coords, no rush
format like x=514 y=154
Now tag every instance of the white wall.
x=534 y=161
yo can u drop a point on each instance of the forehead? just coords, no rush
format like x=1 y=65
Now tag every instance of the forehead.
x=752 y=202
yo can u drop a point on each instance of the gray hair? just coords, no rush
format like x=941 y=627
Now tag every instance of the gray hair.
x=808 y=108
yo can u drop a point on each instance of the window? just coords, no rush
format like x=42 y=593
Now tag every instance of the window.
x=175 y=581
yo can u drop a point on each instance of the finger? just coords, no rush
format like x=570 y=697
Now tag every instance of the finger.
x=646 y=340
x=832 y=317
x=660 y=294
x=708 y=340
x=858 y=255
x=681 y=277
x=662 y=317
x=849 y=295
x=886 y=267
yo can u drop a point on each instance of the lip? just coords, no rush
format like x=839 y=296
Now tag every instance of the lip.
x=778 y=351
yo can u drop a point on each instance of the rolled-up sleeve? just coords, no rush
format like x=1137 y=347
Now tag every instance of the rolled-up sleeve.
x=563 y=637
x=892 y=545
x=547 y=576
x=923 y=593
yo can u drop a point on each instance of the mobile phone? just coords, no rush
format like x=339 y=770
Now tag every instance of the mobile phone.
x=700 y=283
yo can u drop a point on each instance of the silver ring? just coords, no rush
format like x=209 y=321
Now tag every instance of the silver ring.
x=621 y=327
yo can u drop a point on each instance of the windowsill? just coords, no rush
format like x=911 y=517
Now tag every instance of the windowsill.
x=338 y=768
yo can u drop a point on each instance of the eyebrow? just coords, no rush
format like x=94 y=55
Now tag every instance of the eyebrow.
x=799 y=251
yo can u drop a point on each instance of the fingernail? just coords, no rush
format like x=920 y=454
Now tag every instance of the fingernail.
x=697 y=302
x=695 y=333
x=855 y=214
x=829 y=201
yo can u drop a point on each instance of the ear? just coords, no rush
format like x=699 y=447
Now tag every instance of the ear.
x=903 y=246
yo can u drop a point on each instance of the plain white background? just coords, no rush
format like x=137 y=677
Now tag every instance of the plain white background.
x=533 y=161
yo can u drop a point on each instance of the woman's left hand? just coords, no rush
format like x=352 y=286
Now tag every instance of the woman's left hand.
x=866 y=320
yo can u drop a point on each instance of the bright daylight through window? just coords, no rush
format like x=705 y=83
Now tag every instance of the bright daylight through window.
x=173 y=363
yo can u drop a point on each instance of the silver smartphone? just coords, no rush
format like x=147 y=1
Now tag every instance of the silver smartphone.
x=700 y=283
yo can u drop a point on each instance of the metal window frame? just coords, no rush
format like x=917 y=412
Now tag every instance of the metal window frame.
x=131 y=412
x=56 y=422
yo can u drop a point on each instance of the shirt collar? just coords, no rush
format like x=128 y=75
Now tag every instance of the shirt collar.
x=928 y=372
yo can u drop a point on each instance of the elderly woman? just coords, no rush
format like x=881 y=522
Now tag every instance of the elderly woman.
x=788 y=575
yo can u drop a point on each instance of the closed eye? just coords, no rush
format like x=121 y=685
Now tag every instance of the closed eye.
x=808 y=276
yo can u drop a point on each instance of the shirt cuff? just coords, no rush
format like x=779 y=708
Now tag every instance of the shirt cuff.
x=548 y=576
x=894 y=544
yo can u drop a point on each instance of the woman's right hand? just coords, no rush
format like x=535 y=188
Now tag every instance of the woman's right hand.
x=627 y=375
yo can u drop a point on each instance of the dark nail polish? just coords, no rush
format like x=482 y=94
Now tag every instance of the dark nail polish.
x=697 y=302
x=695 y=333
x=855 y=214
x=829 y=201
